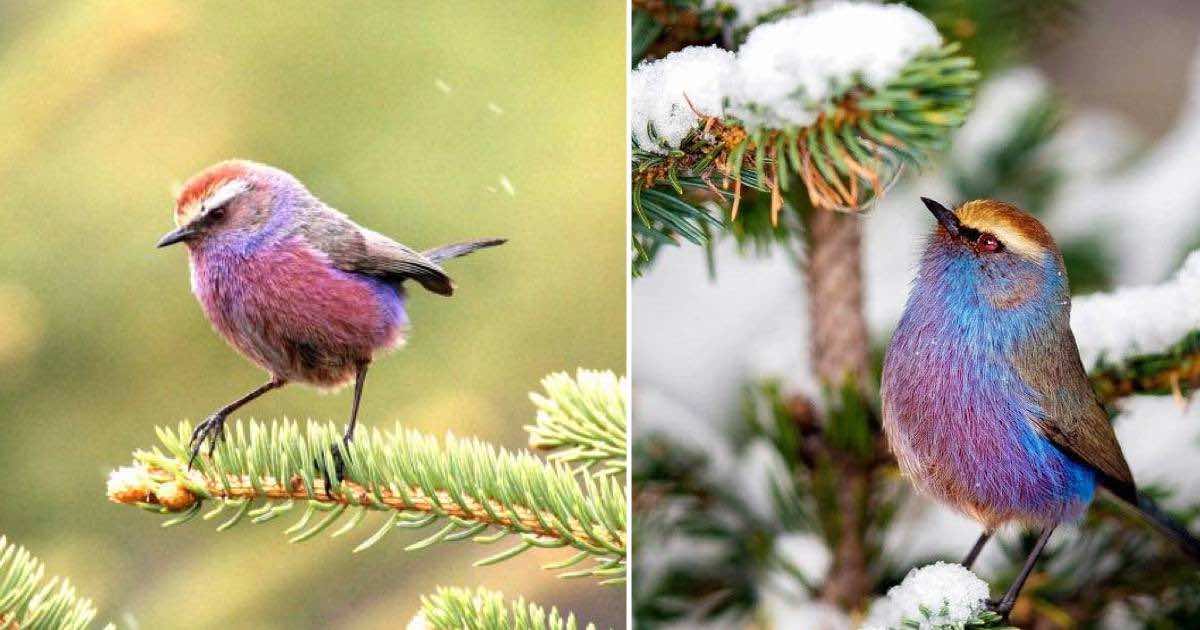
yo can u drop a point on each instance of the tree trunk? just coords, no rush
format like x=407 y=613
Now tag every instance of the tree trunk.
x=839 y=342
x=840 y=349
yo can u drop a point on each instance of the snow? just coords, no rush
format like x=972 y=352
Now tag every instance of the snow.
x=1000 y=106
x=759 y=471
x=660 y=91
x=950 y=593
x=787 y=71
x=507 y=185
x=1159 y=437
x=785 y=74
x=1147 y=210
x=807 y=552
x=785 y=612
x=1138 y=320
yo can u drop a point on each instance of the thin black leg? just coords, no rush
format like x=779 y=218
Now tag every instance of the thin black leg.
x=359 y=379
x=1005 y=605
x=213 y=427
x=339 y=463
x=974 y=553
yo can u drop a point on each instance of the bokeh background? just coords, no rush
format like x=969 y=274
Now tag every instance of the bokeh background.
x=426 y=121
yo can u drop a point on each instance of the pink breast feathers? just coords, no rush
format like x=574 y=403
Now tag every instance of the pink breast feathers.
x=288 y=309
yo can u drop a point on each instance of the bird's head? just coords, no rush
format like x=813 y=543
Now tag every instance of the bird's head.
x=234 y=198
x=996 y=251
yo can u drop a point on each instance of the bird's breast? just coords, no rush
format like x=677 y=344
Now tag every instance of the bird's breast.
x=289 y=310
x=958 y=417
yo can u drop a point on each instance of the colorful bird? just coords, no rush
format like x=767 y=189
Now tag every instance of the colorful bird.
x=294 y=285
x=986 y=403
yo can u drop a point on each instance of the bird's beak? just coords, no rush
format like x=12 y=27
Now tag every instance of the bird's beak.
x=182 y=233
x=944 y=215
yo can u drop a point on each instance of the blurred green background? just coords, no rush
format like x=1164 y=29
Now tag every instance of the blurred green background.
x=405 y=115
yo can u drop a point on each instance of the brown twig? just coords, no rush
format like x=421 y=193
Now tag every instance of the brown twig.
x=176 y=496
x=1113 y=384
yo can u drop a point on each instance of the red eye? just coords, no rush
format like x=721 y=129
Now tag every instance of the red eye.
x=989 y=243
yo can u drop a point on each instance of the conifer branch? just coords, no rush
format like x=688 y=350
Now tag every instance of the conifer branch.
x=482 y=609
x=582 y=420
x=1175 y=371
x=28 y=601
x=843 y=157
x=470 y=489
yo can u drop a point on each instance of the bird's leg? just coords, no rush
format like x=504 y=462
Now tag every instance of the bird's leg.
x=974 y=553
x=1005 y=605
x=339 y=463
x=213 y=427
x=359 y=379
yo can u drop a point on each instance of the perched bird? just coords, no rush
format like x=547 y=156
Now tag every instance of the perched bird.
x=986 y=403
x=294 y=285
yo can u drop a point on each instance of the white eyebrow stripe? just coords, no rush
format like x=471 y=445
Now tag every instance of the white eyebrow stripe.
x=225 y=194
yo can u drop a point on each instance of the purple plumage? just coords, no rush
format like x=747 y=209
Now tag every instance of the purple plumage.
x=285 y=307
x=969 y=405
x=985 y=401
x=294 y=285
x=957 y=411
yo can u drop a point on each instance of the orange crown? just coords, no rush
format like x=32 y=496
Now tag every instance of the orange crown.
x=203 y=184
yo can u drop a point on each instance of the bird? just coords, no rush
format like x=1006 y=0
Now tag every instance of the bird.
x=294 y=285
x=985 y=401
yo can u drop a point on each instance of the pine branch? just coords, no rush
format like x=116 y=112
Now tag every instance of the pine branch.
x=1175 y=371
x=842 y=155
x=845 y=155
x=482 y=609
x=30 y=602
x=583 y=420
x=470 y=489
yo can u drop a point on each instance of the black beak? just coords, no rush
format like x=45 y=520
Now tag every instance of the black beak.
x=177 y=235
x=944 y=215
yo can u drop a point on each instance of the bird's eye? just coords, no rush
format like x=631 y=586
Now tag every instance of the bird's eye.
x=989 y=243
x=215 y=213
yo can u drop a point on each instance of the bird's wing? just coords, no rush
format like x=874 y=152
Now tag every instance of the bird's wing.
x=358 y=250
x=1072 y=417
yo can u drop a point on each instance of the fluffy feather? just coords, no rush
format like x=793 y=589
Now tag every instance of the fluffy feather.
x=984 y=400
x=293 y=284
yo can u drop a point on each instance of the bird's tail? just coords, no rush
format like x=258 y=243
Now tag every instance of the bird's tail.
x=1168 y=526
x=454 y=250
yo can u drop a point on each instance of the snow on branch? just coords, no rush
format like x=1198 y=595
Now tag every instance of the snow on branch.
x=1143 y=339
x=787 y=73
x=839 y=98
x=936 y=596
x=790 y=72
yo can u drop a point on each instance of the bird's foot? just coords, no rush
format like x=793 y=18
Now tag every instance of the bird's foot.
x=339 y=467
x=212 y=430
x=1001 y=607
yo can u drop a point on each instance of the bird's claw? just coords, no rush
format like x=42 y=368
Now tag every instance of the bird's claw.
x=339 y=467
x=212 y=430
x=1002 y=607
